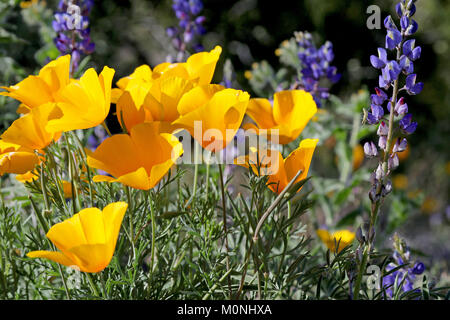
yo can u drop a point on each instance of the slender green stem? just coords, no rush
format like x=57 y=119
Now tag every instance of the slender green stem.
x=106 y=128
x=45 y=227
x=152 y=254
x=130 y=209
x=88 y=170
x=361 y=272
x=207 y=179
x=224 y=216
x=92 y=284
x=214 y=287
x=273 y=206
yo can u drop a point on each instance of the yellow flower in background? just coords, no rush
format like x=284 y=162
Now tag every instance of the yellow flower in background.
x=34 y=91
x=86 y=240
x=358 y=156
x=29 y=130
x=248 y=74
x=16 y=159
x=291 y=111
x=139 y=160
x=429 y=205
x=279 y=170
x=28 y=4
x=218 y=112
x=340 y=238
x=400 y=181
x=402 y=156
x=67 y=189
x=84 y=103
x=29 y=176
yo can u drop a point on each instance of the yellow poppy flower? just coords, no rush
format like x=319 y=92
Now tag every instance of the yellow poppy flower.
x=29 y=176
x=217 y=111
x=86 y=240
x=137 y=84
x=292 y=109
x=142 y=73
x=138 y=160
x=198 y=68
x=16 y=159
x=34 y=91
x=358 y=156
x=128 y=114
x=29 y=130
x=163 y=98
x=279 y=170
x=341 y=237
x=84 y=103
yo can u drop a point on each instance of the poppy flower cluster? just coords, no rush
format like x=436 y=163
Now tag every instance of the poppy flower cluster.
x=151 y=105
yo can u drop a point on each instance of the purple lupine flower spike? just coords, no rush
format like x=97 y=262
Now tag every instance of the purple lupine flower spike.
x=404 y=56
x=404 y=274
x=71 y=24
x=316 y=65
x=190 y=26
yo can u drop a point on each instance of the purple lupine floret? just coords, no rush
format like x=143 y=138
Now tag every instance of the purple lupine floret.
x=380 y=61
x=379 y=98
x=411 y=86
x=393 y=39
x=409 y=50
x=72 y=31
x=190 y=26
x=407 y=125
x=400 y=145
x=405 y=275
x=370 y=149
x=316 y=66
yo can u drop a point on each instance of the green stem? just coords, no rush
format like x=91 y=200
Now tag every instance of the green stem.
x=361 y=272
x=91 y=283
x=207 y=179
x=106 y=128
x=224 y=210
x=88 y=170
x=152 y=254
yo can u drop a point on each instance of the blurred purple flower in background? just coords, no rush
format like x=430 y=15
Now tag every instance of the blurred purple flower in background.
x=316 y=65
x=190 y=26
x=72 y=30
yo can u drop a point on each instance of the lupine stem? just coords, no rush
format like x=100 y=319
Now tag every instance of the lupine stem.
x=376 y=205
